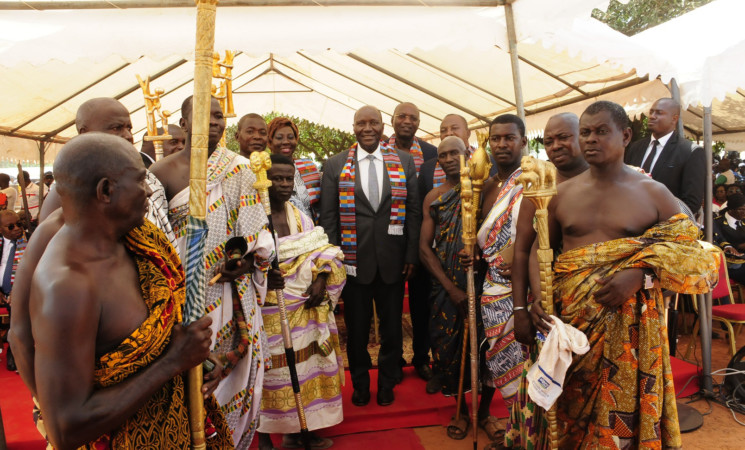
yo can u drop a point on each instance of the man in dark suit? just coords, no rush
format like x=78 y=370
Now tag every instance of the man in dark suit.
x=371 y=209
x=729 y=234
x=672 y=159
x=405 y=122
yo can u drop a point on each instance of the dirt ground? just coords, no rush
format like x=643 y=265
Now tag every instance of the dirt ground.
x=719 y=431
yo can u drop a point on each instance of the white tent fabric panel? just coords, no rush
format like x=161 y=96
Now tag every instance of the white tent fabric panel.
x=14 y=149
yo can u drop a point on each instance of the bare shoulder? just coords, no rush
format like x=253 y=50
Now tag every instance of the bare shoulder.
x=62 y=290
x=164 y=167
x=665 y=202
x=433 y=194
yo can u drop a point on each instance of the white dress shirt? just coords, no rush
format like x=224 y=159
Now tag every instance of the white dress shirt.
x=731 y=221
x=363 y=166
x=661 y=144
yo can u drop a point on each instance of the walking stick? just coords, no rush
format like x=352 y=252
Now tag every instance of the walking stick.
x=260 y=162
x=459 y=403
x=472 y=177
x=205 y=42
x=539 y=186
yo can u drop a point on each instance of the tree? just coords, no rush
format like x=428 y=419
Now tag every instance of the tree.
x=317 y=142
x=638 y=15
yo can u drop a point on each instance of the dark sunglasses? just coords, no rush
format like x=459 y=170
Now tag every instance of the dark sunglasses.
x=12 y=226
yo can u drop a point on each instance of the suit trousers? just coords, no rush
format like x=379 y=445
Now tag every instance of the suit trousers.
x=358 y=312
x=420 y=306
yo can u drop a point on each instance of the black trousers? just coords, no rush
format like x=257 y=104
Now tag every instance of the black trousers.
x=358 y=312
x=420 y=306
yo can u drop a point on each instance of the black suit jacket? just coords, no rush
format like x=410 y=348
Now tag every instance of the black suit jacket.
x=725 y=235
x=681 y=167
x=429 y=151
x=377 y=251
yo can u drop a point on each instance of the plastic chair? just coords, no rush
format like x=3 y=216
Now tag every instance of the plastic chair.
x=734 y=313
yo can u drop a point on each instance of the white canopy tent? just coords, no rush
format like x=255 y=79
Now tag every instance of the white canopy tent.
x=319 y=63
x=323 y=62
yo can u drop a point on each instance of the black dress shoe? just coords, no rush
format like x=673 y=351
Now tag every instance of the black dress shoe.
x=361 y=397
x=434 y=385
x=385 y=396
x=424 y=372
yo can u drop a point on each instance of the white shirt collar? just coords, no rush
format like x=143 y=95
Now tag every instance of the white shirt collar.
x=663 y=140
x=731 y=221
x=362 y=154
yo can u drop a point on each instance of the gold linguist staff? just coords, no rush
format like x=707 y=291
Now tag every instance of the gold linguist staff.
x=472 y=180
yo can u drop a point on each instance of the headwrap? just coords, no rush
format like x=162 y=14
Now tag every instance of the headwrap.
x=280 y=122
x=347 y=211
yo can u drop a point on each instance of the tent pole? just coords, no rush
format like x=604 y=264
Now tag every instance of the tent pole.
x=705 y=301
x=675 y=91
x=512 y=39
x=42 y=152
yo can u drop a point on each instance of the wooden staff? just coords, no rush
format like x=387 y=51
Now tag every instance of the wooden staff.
x=472 y=177
x=260 y=163
x=539 y=186
x=22 y=184
x=459 y=402
x=205 y=42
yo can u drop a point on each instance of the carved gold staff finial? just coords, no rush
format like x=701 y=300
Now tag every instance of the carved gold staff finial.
x=539 y=186
x=153 y=106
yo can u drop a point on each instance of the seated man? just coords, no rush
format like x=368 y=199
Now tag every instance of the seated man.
x=314 y=276
x=729 y=234
x=618 y=231
x=108 y=368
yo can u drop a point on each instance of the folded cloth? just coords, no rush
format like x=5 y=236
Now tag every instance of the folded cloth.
x=546 y=376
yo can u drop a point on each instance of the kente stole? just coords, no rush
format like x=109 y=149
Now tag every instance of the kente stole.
x=415 y=151
x=312 y=179
x=347 y=210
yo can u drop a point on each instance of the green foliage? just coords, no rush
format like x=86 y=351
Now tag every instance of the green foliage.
x=638 y=15
x=316 y=142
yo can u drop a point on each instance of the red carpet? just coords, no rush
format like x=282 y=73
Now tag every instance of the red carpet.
x=363 y=427
x=16 y=406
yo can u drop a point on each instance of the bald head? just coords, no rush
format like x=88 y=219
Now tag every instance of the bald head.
x=87 y=159
x=104 y=115
x=455 y=125
x=663 y=117
x=561 y=139
x=368 y=127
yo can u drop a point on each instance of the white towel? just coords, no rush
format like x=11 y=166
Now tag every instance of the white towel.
x=546 y=376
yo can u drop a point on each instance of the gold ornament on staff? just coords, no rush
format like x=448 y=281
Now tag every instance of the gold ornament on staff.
x=539 y=186
x=223 y=92
x=472 y=177
x=205 y=44
x=153 y=106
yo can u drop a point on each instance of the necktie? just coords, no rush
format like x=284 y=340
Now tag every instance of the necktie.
x=647 y=165
x=372 y=183
x=9 y=269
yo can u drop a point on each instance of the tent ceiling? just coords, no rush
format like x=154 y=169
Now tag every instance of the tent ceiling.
x=324 y=61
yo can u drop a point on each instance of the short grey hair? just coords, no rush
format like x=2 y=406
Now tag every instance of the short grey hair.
x=454 y=140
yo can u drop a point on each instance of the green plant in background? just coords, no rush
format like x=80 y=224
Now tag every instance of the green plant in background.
x=317 y=142
x=638 y=15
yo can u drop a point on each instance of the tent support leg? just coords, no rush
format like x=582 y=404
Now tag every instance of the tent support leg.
x=512 y=39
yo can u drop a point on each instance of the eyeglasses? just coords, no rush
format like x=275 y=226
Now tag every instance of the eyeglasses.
x=11 y=226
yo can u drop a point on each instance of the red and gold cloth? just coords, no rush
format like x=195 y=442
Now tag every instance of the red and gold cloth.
x=620 y=394
x=163 y=422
